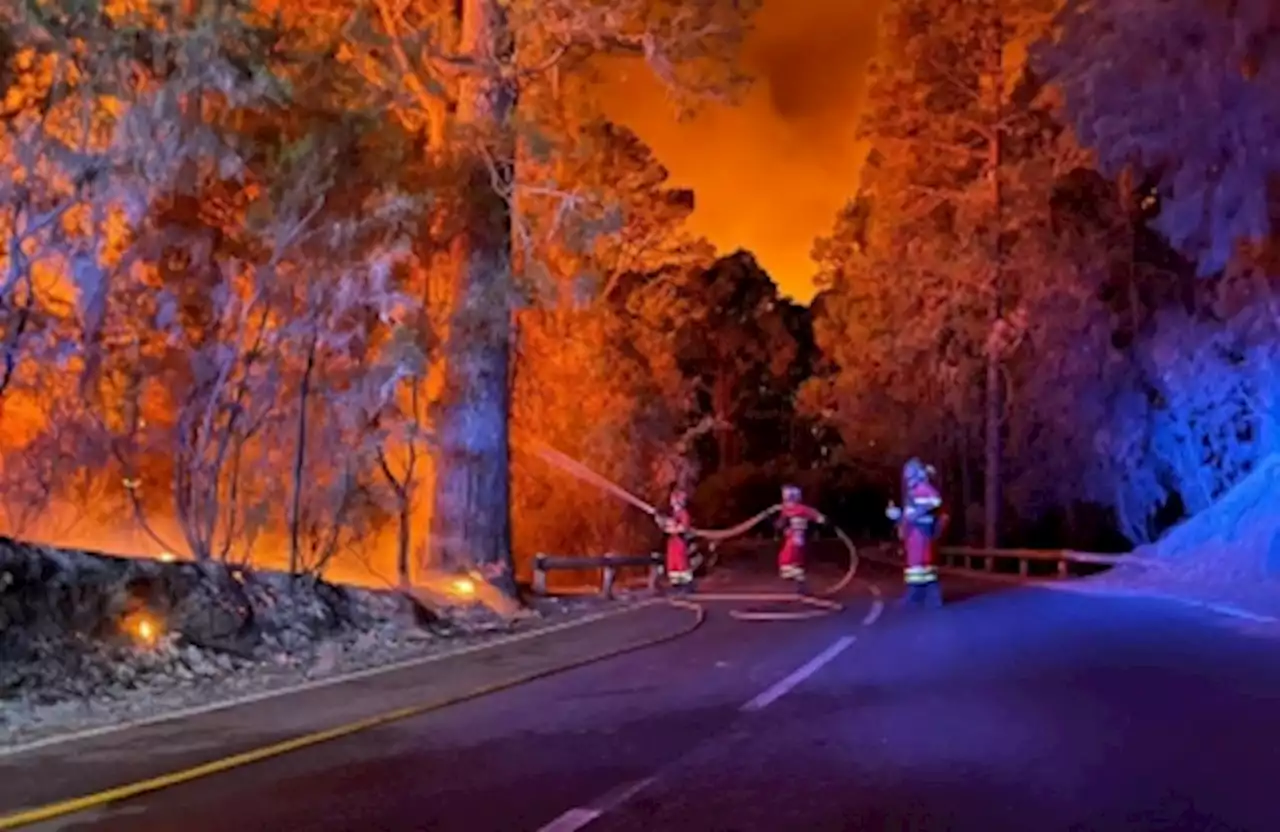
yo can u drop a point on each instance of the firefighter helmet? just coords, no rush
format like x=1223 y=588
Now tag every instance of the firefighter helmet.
x=915 y=472
x=790 y=493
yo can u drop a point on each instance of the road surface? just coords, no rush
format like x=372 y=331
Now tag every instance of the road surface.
x=1025 y=710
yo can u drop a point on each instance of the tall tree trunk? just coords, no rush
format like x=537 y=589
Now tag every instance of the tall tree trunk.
x=991 y=466
x=299 y=461
x=404 y=578
x=722 y=400
x=1130 y=215
x=471 y=503
x=992 y=404
x=966 y=487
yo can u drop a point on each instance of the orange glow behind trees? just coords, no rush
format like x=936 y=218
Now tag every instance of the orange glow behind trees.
x=770 y=172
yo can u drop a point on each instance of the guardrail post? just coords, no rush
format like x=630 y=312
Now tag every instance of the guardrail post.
x=655 y=572
x=1024 y=567
x=606 y=583
x=539 y=575
x=991 y=563
x=1062 y=568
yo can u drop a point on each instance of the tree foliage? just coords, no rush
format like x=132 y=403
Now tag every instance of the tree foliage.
x=751 y=361
x=596 y=375
x=483 y=80
x=1176 y=96
x=228 y=257
x=260 y=259
x=1201 y=411
x=1183 y=90
x=954 y=296
x=1124 y=385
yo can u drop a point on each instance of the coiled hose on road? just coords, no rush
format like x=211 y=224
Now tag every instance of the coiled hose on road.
x=818 y=603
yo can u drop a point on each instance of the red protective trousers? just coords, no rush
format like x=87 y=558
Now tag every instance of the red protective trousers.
x=919 y=545
x=796 y=518
x=791 y=556
x=919 y=549
x=678 y=570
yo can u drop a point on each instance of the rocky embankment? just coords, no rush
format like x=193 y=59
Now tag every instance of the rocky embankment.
x=1228 y=554
x=88 y=640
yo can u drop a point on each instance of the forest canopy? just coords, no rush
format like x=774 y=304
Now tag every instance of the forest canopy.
x=293 y=284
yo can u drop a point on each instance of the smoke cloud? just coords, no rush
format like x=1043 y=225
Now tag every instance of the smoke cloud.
x=771 y=174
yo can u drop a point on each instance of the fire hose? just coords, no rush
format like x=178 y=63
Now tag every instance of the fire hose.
x=818 y=603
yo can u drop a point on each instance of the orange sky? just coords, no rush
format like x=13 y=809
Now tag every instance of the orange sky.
x=771 y=174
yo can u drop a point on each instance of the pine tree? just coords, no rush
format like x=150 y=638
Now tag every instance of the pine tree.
x=947 y=126
x=463 y=73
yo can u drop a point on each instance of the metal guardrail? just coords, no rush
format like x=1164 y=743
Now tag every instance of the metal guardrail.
x=987 y=560
x=952 y=558
x=990 y=561
x=607 y=564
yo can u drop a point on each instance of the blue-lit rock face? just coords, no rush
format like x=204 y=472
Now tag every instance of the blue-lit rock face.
x=1228 y=552
x=1273 y=558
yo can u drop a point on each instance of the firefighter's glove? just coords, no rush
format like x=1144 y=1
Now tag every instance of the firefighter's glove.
x=893 y=512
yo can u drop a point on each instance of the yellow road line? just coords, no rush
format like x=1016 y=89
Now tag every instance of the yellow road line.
x=141 y=787
x=324 y=681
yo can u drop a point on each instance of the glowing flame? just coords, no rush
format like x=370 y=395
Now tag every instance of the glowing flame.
x=167 y=557
x=143 y=627
x=464 y=587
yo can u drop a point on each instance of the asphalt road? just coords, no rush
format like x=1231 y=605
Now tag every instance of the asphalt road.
x=1014 y=709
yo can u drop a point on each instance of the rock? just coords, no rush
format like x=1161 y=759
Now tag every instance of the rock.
x=1272 y=563
x=367 y=642
x=327 y=656
x=64 y=662
x=199 y=663
x=213 y=609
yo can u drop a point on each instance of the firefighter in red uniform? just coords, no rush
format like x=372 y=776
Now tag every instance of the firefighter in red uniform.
x=794 y=519
x=677 y=526
x=921 y=522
